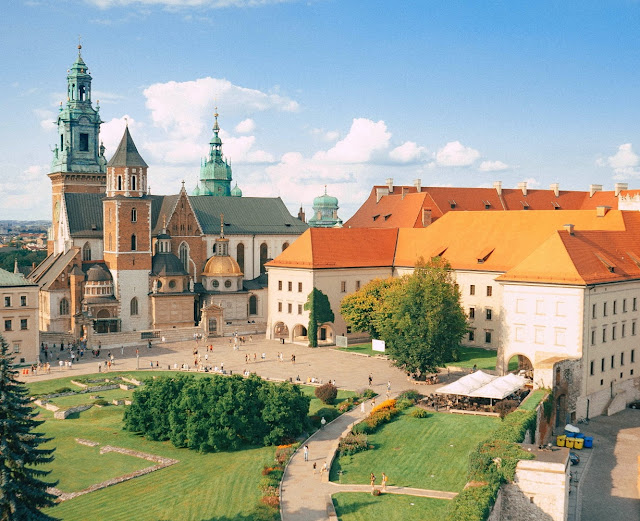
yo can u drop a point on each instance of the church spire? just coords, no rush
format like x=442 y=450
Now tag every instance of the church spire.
x=215 y=171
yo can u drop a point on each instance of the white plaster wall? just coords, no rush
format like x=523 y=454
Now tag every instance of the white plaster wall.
x=28 y=340
x=129 y=284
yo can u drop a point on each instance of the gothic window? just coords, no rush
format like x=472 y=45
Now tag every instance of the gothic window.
x=86 y=252
x=134 y=306
x=134 y=215
x=285 y=246
x=263 y=256
x=133 y=182
x=134 y=242
x=64 y=307
x=240 y=256
x=253 y=305
x=119 y=182
x=184 y=256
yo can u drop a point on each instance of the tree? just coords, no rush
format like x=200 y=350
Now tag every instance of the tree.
x=319 y=312
x=360 y=309
x=22 y=493
x=421 y=318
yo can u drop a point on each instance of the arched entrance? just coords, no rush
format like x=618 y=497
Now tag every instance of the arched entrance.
x=520 y=364
x=325 y=334
x=300 y=333
x=280 y=330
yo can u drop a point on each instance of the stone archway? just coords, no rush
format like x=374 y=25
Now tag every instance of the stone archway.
x=326 y=335
x=300 y=333
x=520 y=363
x=280 y=330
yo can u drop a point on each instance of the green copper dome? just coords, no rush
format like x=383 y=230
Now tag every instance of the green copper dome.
x=325 y=211
x=215 y=170
x=236 y=192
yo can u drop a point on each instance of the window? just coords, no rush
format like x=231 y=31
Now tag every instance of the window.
x=279 y=285
x=472 y=313
x=604 y=309
x=615 y=307
x=343 y=286
x=472 y=335
x=253 y=305
x=489 y=291
x=624 y=305
x=86 y=252
x=488 y=314
x=591 y=368
x=348 y=329
x=7 y=325
x=520 y=306
x=633 y=356
x=183 y=252
x=357 y=285
x=23 y=300
x=593 y=311
x=621 y=359
x=280 y=307
x=64 y=307
x=134 y=215
x=472 y=289
x=84 y=142
x=613 y=358
x=622 y=330
x=240 y=256
x=16 y=349
x=227 y=283
x=133 y=306
x=215 y=283
x=263 y=256
x=519 y=333
x=539 y=335
x=299 y=309
x=289 y=308
x=560 y=333
x=285 y=246
x=299 y=287
x=613 y=332
x=134 y=242
x=134 y=183
x=290 y=286
x=119 y=182
x=635 y=302
x=24 y=324
x=593 y=337
x=633 y=328
x=487 y=337
x=604 y=334
x=560 y=309
x=539 y=307
x=602 y=365
x=7 y=302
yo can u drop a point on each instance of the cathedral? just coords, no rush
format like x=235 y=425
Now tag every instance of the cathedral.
x=122 y=259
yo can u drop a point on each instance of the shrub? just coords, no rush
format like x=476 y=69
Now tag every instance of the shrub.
x=375 y=492
x=387 y=404
x=63 y=390
x=361 y=428
x=271 y=501
x=101 y=402
x=419 y=413
x=411 y=395
x=352 y=444
x=345 y=405
x=504 y=407
x=402 y=404
x=327 y=393
x=368 y=393
x=283 y=453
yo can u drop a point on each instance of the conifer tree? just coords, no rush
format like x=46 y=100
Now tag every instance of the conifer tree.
x=22 y=492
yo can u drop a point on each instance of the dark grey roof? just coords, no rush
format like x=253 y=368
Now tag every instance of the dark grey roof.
x=260 y=282
x=55 y=268
x=43 y=267
x=166 y=264
x=161 y=205
x=84 y=212
x=245 y=215
x=126 y=153
x=98 y=273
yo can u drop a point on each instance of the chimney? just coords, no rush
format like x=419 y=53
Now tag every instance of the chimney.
x=569 y=228
x=498 y=186
x=418 y=184
x=618 y=187
x=556 y=188
x=426 y=217
x=601 y=211
x=380 y=191
x=523 y=186
x=593 y=189
x=390 y=184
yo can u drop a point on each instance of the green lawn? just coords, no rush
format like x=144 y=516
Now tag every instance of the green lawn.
x=79 y=399
x=364 y=349
x=429 y=453
x=481 y=358
x=533 y=399
x=360 y=506
x=316 y=404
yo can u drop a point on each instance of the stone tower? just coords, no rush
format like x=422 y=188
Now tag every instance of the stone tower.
x=215 y=171
x=78 y=163
x=127 y=233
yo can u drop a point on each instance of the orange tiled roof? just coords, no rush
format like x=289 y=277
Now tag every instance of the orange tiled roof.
x=339 y=248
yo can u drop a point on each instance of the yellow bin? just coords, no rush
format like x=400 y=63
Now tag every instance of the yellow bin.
x=568 y=442
x=560 y=440
x=578 y=444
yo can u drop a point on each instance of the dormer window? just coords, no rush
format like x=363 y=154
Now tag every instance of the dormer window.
x=555 y=205
x=386 y=217
x=487 y=205
x=452 y=204
x=525 y=205
x=375 y=217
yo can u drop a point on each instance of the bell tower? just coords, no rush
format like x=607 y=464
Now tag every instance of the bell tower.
x=127 y=232
x=78 y=164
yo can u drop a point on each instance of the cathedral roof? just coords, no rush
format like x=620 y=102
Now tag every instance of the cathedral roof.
x=84 y=212
x=97 y=273
x=221 y=265
x=127 y=153
x=166 y=264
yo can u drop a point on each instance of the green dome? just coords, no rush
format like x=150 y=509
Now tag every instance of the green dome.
x=236 y=192
x=325 y=201
x=196 y=190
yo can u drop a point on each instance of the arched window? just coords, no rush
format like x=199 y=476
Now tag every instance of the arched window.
x=134 y=242
x=184 y=256
x=133 y=182
x=64 y=307
x=263 y=256
x=240 y=256
x=119 y=182
x=253 y=305
x=134 y=306
x=86 y=252
x=285 y=246
x=134 y=215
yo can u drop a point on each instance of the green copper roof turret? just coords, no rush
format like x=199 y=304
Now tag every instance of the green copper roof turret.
x=215 y=171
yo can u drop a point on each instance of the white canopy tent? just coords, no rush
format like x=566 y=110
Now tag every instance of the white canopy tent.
x=467 y=384
x=483 y=385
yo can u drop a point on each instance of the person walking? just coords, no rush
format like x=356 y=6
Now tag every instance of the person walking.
x=362 y=407
x=373 y=481
x=306 y=452
x=384 y=482
x=370 y=380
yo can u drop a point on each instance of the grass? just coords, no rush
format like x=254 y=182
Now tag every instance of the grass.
x=79 y=399
x=360 y=506
x=533 y=399
x=317 y=404
x=481 y=358
x=429 y=453
x=364 y=349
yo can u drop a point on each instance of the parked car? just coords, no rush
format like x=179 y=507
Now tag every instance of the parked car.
x=574 y=458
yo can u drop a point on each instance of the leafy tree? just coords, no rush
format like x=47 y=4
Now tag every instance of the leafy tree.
x=22 y=492
x=421 y=318
x=319 y=312
x=360 y=309
x=25 y=258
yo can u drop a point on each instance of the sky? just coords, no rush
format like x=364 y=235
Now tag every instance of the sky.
x=342 y=93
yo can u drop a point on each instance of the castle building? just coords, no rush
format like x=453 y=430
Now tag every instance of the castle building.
x=19 y=316
x=124 y=260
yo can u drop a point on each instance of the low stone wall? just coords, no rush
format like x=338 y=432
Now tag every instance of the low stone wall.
x=63 y=414
x=131 y=380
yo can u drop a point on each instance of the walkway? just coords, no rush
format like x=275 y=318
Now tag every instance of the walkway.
x=306 y=496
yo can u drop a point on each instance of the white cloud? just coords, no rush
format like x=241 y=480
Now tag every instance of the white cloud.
x=331 y=135
x=532 y=182
x=624 y=162
x=365 y=137
x=245 y=126
x=408 y=152
x=175 y=4
x=47 y=118
x=240 y=150
x=26 y=195
x=111 y=133
x=455 y=153
x=493 y=166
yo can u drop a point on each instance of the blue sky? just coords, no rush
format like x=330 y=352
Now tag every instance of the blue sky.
x=336 y=92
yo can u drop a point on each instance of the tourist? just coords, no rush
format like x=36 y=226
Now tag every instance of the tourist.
x=370 y=382
x=384 y=482
x=373 y=480
x=306 y=452
x=362 y=407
